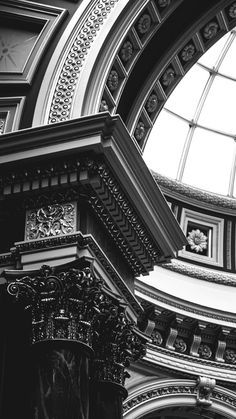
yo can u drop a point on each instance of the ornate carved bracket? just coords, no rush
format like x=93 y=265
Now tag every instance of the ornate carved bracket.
x=205 y=387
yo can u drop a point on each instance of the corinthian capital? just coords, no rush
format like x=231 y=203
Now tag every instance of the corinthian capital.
x=116 y=344
x=64 y=305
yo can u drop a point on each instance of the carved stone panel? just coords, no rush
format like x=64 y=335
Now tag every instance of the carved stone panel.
x=51 y=220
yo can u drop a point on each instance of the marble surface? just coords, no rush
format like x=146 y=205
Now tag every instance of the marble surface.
x=62 y=385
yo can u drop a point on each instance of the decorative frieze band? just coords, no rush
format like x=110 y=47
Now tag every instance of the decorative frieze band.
x=203 y=391
x=51 y=220
x=73 y=63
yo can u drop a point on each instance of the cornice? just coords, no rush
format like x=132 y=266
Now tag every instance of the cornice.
x=103 y=135
x=184 y=307
x=191 y=365
x=195 y=196
x=202 y=273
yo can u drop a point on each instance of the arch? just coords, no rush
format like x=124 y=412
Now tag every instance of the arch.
x=160 y=394
x=65 y=81
x=76 y=81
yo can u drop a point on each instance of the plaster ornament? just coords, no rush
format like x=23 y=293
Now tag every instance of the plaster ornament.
x=139 y=131
x=126 y=51
x=113 y=80
x=164 y=3
x=210 y=30
x=188 y=52
x=180 y=345
x=197 y=240
x=232 y=10
x=152 y=103
x=205 y=351
x=144 y=24
x=168 y=77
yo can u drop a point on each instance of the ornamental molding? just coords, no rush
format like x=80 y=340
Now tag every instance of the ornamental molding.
x=194 y=196
x=167 y=393
x=143 y=290
x=82 y=241
x=118 y=216
x=84 y=35
x=10 y=113
x=51 y=220
x=202 y=273
x=80 y=34
x=123 y=48
x=189 y=365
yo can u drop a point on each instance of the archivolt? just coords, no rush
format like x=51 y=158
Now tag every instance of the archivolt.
x=157 y=395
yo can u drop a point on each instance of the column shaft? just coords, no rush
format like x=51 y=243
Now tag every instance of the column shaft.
x=62 y=381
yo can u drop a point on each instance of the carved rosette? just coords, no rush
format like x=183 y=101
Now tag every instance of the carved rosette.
x=64 y=305
x=116 y=345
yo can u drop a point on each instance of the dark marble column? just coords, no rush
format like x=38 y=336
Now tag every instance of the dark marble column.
x=118 y=342
x=106 y=400
x=76 y=318
x=65 y=307
x=62 y=381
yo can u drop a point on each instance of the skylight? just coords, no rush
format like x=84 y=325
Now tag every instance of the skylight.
x=193 y=138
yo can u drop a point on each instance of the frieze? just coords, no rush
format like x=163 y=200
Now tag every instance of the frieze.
x=165 y=390
x=187 y=387
x=51 y=220
x=194 y=360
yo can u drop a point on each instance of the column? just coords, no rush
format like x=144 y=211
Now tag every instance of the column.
x=117 y=343
x=65 y=308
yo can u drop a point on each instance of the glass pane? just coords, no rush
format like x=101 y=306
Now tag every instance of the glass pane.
x=211 y=56
x=209 y=161
x=165 y=144
x=185 y=97
x=219 y=109
x=228 y=65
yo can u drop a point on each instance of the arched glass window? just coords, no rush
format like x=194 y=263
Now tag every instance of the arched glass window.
x=193 y=138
